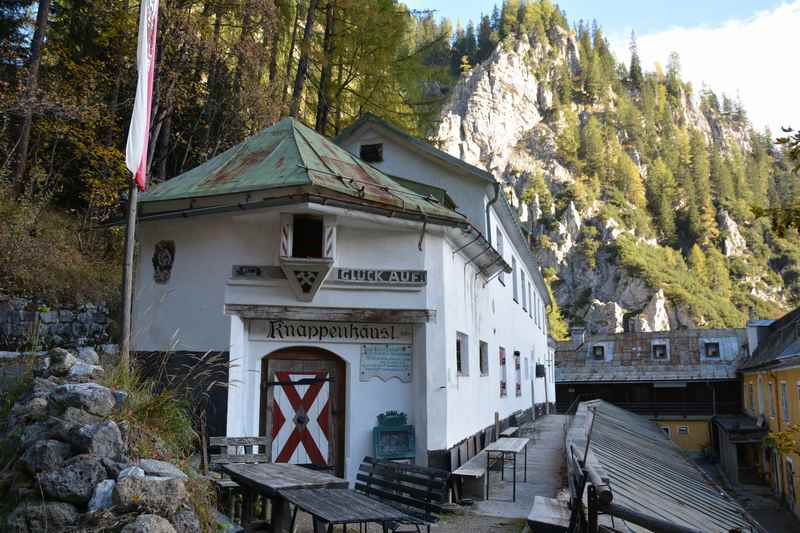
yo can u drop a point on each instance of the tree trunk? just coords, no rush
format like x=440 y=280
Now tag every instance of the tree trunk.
x=42 y=16
x=209 y=111
x=323 y=92
x=302 y=64
x=274 y=42
x=290 y=54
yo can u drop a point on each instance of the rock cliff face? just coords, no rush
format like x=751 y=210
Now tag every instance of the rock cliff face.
x=499 y=118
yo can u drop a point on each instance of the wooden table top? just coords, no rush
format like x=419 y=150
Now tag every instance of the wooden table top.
x=508 y=444
x=269 y=478
x=343 y=506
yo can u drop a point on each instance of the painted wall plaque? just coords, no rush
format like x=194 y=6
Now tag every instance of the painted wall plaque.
x=163 y=257
x=370 y=276
x=386 y=361
x=319 y=331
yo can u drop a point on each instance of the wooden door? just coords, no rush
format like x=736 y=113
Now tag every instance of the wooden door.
x=301 y=408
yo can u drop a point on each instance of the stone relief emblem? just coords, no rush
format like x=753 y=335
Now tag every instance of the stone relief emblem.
x=163 y=257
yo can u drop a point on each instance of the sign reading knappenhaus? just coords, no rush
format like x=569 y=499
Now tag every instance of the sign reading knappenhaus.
x=314 y=331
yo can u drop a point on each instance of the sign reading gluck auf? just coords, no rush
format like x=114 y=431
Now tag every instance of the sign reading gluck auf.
x=318 y=331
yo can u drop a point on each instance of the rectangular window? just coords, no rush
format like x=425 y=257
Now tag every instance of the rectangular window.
x=530 y=301
x=527 y=369
x=683 y=430
x=660 y=352
x=503 y=372
x=523 y=284
x=307 y=236
x=514 y=277
x=771 y=399
x=784 y=401
x=752 y=395
x=484 y=355
x=761 y=401
x=499 y=238
x=462 y=354
x=665 y=429
x=517 y=374
x=371 y=153
x=712 y=350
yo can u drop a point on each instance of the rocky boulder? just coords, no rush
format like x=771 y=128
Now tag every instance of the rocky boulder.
x=605 y=318
x=153 y=467
x=655 y=316
x=733 y=244
x=149 y=523
x=102 y=497
x=61 y=361
x=90 y=397
x=102 y=440
x=39 y=517
x=75 y=481
x=186 y=521
x=153 y=494
x=45 y=455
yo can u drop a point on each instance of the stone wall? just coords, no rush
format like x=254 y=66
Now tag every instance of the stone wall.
x=28 y=324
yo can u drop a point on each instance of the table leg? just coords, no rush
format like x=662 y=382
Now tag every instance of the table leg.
x=488 y=470
x=321 y=526
x=281 y=520
x=526 y=464
x=247 y=507
x=514 y=479
x=502 y=466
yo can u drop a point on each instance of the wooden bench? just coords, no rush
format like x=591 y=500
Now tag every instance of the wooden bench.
x=236 y=450
x=471 y=478
x=417 y=491
x=510 y=431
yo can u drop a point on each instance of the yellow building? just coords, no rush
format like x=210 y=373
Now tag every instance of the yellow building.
x=771 y=394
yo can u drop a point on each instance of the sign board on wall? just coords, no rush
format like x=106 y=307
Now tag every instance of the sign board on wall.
x=368 y=276
x=386 y=361
x=320 y=331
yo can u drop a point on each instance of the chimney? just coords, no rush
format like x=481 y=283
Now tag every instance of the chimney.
x=578 y=335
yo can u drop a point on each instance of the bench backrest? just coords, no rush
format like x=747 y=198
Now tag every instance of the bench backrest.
x=239 y=450
x=416 y=490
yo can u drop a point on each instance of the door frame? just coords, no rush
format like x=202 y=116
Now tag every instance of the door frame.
x=338 y=398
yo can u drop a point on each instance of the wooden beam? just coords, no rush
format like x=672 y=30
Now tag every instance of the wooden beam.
x=332 y=314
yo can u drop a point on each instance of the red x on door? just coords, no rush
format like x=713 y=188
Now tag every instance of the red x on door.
x=301 y=417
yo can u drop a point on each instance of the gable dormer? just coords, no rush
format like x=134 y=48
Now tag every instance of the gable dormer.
x=307 y=251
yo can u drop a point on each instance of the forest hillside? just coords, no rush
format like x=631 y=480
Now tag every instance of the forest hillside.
x=639 y=191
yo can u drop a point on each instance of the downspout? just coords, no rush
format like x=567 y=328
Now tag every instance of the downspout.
x=489 y=205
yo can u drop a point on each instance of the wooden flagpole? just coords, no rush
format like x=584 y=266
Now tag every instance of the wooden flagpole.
x=127 y=277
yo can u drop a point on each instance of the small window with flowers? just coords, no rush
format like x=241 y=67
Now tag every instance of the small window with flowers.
x=503 y=373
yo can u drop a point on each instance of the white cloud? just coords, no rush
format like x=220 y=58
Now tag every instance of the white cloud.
x=756 y=58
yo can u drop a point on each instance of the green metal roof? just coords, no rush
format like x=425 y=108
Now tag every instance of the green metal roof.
x=291 y=155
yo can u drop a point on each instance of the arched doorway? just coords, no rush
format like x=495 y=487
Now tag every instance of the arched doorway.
x=302 y=407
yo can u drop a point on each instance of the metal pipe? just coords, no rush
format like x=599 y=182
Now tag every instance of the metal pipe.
x=489 y=205
x=604 y=494
x=656 y=525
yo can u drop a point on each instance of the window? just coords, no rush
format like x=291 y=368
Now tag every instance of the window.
x=514 y=277
x=660 y=352
x=771 y=393
x=371 y=153
x=462 y=354
x=523 y=284
x=683 y=430
x=599 y=352
x=752 y=395
x=503 y=372
x=761 y=403
x=307 y=236
x=484 y=356
x=784 y=401
x=499 y=238
x=665 y=429
x=517 y=374
x=530 y=301
x=712 y=350
x=527 y=370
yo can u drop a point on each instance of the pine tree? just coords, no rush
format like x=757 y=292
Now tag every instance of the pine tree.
x=721 y=178
x=635 y=70
x=593 y=148
x=660 y=198
x=487 y=39
x=703 y=225
x=673 y=82
x=629 y=180
x=509 y=18
x=717 y=271
x=568 y=142
x=697 y=262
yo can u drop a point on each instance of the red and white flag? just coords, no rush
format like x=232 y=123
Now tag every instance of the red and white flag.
x=136 y=150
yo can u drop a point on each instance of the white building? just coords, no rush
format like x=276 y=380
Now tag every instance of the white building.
x=340 y=293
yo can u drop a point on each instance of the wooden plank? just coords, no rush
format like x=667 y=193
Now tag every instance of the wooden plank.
x=429 y=508
x=343 y=506
x=424 y=471
x=335 y=314
x=509 y=431
x=421 y=494
x=454 y=462
x=475 y=467
x=224 y=458
x=238 y=441
x=404 y=477
x=470 y=447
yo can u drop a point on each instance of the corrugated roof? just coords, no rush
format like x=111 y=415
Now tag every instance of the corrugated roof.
x=290 y=155
x=781 y=344
x=648 y=473
x=604 y=372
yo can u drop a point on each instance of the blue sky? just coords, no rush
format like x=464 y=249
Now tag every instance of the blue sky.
x=619 y=16
x=743 y=48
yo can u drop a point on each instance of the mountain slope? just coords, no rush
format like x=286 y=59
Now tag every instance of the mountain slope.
x=637 y=193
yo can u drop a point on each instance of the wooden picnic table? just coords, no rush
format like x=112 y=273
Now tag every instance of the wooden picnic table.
x=343 y=506
x=270 y=479
x=512 y=446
